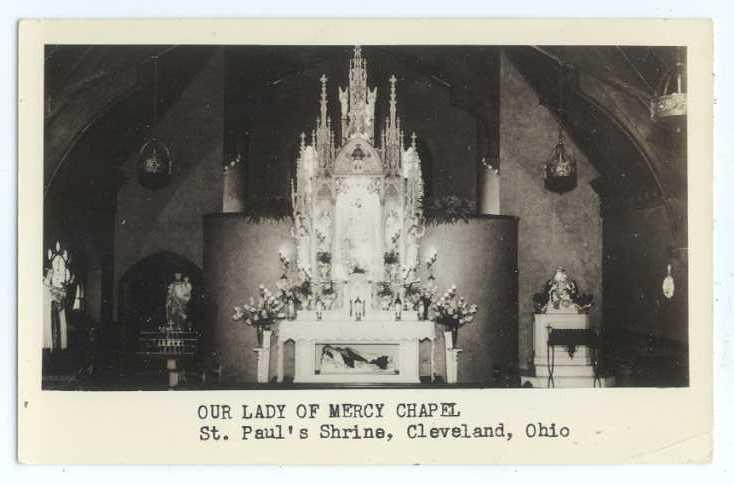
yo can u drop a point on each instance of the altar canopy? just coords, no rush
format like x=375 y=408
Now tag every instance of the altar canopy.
x=356 y=196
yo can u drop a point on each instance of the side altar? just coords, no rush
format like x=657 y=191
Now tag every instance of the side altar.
x=565 y=346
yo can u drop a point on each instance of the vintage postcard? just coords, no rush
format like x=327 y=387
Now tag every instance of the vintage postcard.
x=365 y=241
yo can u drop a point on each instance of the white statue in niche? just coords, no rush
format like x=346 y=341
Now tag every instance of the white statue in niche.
x=358 y=241
x=412 y=244
x=300 y=232
x=344 y=101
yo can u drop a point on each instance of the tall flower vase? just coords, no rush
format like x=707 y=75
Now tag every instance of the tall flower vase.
x=263 y=353
x=454 y=335
x=452 y=355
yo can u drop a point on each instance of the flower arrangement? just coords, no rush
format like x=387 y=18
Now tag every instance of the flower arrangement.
x=421 y=296
x=261 y=314
x=452 y=311
x=298 y=291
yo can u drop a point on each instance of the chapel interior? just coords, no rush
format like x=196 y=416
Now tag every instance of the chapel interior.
x=183 y=183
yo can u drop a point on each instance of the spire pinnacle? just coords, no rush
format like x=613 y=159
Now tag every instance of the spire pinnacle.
x=393 y=99
x=324 y=101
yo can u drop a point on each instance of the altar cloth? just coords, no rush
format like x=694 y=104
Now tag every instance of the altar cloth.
x=405 y=336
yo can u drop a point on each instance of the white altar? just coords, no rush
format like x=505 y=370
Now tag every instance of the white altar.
x=384 y=351
x=358 y=222
x=559 y=366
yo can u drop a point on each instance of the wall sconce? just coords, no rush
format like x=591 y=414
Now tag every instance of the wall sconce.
x=669 y=284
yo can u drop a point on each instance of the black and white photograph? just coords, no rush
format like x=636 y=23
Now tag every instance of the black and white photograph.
x=294 y=217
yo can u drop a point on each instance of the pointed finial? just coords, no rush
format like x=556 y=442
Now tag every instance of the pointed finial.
x=303 y=140
x=412 y=140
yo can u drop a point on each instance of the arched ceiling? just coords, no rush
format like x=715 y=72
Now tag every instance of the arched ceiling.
x=99 y=100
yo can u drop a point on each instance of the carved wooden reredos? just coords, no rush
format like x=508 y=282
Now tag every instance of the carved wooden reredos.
x=357 y=196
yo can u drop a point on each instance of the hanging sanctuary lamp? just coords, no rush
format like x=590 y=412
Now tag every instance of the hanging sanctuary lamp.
x=560 y=169
x=155 y=163
x=670 y=95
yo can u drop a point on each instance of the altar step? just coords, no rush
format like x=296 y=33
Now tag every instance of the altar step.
x=565 y=370
x=567 y=382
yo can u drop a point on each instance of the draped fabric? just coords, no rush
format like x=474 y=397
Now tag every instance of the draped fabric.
x=48 y=340
x=55 y=331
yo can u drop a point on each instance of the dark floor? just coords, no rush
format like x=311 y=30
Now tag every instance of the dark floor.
x=637 y=361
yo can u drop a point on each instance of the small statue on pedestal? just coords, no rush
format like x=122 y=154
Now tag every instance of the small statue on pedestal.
x=561 y=295
x=179 y=295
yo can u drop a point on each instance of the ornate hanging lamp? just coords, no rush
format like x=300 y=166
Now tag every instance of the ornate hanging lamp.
x=561 y=171
x=155 y=163
x=670 y=96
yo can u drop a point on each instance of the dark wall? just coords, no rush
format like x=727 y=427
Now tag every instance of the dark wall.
x=170 y=219
x=637 y=250
x=275 y=115
x=479 y=257
x=555 y=230
x=238 y=257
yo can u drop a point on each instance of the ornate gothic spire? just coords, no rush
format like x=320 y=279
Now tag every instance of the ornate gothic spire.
x=393 y=100
x=324 y=100
x=358 y=101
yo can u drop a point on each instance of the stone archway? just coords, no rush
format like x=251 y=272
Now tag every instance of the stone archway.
x=142 y=290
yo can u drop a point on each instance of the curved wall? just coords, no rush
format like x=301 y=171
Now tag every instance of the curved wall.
x=238 y=256
x=480 y=257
